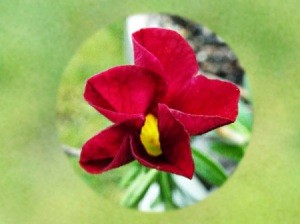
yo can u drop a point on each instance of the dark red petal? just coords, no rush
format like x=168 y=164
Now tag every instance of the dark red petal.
x=206 y=104
x=107 y=150
x=175 y=142
x=124 y=92
x=175 y=145
x=167 y=53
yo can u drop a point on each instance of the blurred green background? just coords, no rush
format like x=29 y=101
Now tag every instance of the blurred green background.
x=38 y=39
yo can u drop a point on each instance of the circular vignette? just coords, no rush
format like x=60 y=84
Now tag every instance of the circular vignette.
x=219 y=151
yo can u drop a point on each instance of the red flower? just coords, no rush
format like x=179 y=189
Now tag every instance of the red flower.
x=156 y=105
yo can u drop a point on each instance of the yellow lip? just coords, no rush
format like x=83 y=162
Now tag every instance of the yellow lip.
x=150 y=136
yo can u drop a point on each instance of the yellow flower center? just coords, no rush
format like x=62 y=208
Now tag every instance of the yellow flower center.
x=150 y=136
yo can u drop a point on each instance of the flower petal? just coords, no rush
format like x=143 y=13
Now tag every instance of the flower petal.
x=175 y=144
x=124 y=92
x=206 y=104
x=167 y=53
x=107 y=150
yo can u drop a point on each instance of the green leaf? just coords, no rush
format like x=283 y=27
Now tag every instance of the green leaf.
x=166 y=184
x=210 y=170
x=235 y=133
x=137 y=190
x=247 y=87
x=245 y=116
x=230 y=151
x=158 y=200
x=130 y=175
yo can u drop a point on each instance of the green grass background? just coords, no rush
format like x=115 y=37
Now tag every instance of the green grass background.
x=37 y=41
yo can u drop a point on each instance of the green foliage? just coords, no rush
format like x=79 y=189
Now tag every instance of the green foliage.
x=139 y=186
x=231 y=151
x=209 y=169
x=167 y=185
x=245 y=116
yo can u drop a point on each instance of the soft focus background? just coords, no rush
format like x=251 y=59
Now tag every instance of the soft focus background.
x=38 y=39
